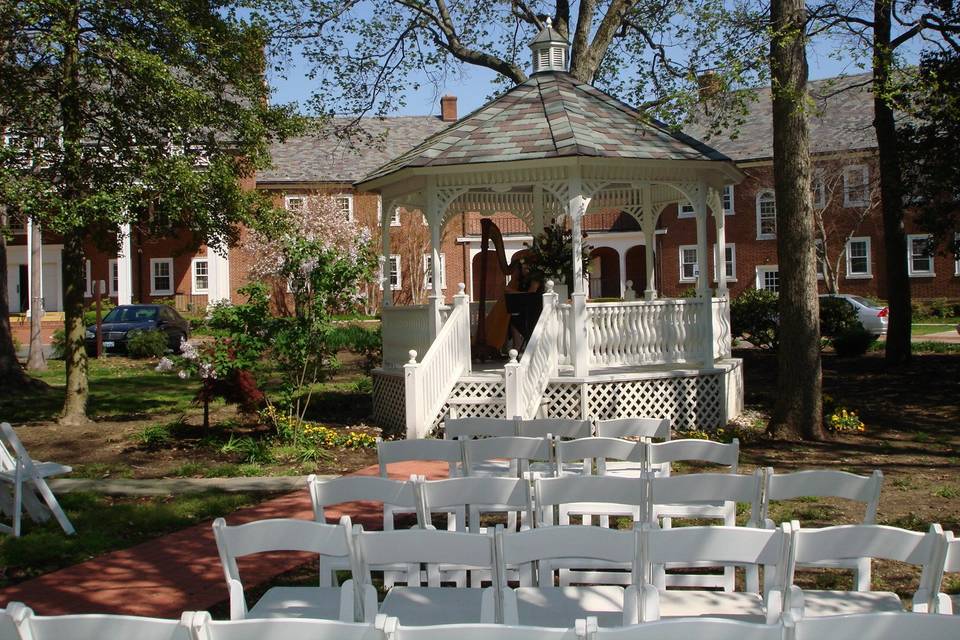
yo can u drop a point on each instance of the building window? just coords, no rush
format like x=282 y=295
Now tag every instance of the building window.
x=768 y=278
x=920 y=254
x=294 y=203
x=200 y=275
x=689 y=268
x=161 y=276
x=856 y=186
x=821 y=257
x=818 y=189
x=686 y=210
x=956 y=250
x=17 y=223
x=730 y=263
x=396 y=280
x=858 y=258
x=428 y=271
x=113 y=268
x=766 y=215
x=395 y=217
x=727 y=199
x=87 y=282
x=345 y=205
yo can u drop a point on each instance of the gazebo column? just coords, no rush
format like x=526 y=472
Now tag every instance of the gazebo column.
x=649 y=241
x=434 y=216
x=720 y=222
x=576 y=207
x=538 y=218
x=622 y=256
x=385 y=264
x=704 y=292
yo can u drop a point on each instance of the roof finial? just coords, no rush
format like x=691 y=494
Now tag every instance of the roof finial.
x=550 y=49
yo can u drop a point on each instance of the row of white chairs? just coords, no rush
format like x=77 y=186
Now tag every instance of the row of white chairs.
x=18 y=622
x=532 y=556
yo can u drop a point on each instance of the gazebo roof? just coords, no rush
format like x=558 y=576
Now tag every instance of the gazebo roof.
x=551 y=115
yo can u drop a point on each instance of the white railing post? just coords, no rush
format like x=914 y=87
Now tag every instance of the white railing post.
x=411 y=396
x=462 y=299
x=433 y=304
x=512 y=388
x=550 y=308
x=579 y=346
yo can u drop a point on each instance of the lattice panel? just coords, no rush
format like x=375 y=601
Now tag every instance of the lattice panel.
x=563 y=400
x=389 y=403
x=493 y=392
x=690 y=402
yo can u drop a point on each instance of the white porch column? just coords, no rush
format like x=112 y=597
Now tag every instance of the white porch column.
x=218 y=268
x=720 y=222
x=538 y=222
x=433 y=219
x=622 y=255
x=34 y=269
x=704 y=292
x=385 y=264
x=649 y=241
x=124 y=268
x=576 y=207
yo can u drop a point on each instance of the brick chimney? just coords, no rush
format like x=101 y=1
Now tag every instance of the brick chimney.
x=448 y=108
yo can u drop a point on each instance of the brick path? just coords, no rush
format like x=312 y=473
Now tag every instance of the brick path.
x=181 y=571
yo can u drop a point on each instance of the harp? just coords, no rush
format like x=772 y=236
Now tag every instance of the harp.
x=489 y=232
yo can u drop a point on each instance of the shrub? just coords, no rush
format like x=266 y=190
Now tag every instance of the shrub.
x=58 y=344
x=754 y=316
x=153 y=435
x=836 y=316
x=152 y=343
x=369 y=344
x=853 y=342
x=844 y=421
x=363 y=385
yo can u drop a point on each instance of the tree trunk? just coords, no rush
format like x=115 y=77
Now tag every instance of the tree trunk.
x=797 y=411
x=12 y=375
x=75 y=354
x=35 y=358
x=891 y=191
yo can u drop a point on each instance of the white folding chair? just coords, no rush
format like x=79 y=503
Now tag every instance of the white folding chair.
x=29 y=626
x=695 y=494
x=685 y=629
x=715 y=546
x=203 y=627
x=851 y=542
x=484 y=632
x=325 y=493
x=547 y=605
x=466 y=428
x=825 y=483
x=946 y=603
x=26 y=477
x=433 y=604
x=878 y=626
x=421 y=450
x=557 y=499
x=506 y=455
x=330 y=603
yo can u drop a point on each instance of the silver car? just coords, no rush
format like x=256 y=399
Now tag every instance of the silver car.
x=872 y=316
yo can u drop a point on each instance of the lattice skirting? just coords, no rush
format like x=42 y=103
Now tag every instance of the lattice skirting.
x=702 y=400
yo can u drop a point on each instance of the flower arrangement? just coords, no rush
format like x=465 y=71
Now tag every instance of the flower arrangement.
x=843 y=421
x=552 y=253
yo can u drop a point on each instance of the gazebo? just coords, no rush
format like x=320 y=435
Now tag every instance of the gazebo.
x=555 y=148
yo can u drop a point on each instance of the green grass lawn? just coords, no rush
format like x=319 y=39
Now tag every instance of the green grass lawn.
x=120 y=389
x=103 y=524
x=926 y=328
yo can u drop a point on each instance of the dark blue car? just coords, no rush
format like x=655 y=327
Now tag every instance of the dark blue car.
x=121 y=321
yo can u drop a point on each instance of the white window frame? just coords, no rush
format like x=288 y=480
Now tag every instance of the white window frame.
x=349 y=198
x=395 y=217
x=818 y=187
x=193 y=276
x=956 y=263
x=728 y=194
x=818 y=247
x=914 y=273
x=427 y=275
x=686 y=210
x=287 y=200
x=153 y=277
x=696 y=265
x=760 y=197
x=112 y=287
x=864 y=172
x=764 y=269
x=394 y=261
x=732 y=276
x=88 y=289
x=850 y=273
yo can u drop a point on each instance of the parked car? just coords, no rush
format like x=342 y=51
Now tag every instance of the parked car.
x=872 y=316
x=121 y=321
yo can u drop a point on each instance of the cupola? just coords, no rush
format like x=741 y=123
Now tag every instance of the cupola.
x=551 y=51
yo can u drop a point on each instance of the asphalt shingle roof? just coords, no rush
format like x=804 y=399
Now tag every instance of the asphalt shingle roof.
x=325 y=158
x=842 y=120
x=551 y=115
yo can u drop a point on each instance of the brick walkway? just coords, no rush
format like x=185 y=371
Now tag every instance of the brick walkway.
x=181 y=571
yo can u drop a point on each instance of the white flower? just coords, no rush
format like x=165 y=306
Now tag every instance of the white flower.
x=184 y=374
x=187 y=350
x=207 y=371
x=165 y=365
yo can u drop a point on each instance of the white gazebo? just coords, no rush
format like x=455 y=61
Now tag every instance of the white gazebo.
x=554 y=148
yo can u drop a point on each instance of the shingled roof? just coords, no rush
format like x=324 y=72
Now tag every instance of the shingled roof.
x=551 y=115
x=842 y=120
x=325 y=158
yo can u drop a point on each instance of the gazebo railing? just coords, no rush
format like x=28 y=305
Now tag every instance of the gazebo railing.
x=428 y=383
x=526 y=379
x=404 y=328
x=645 y=332
x=721 y=328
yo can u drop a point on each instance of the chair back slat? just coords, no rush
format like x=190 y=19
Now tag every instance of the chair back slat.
x=505 y=447
x=644 y=428
x=482 y=490
x=287 y=629
x=602 y=489
x=727 y=545
x=879 y=626
x=599 y=449
x=485 y=632
x=101 y=627
x=728 y=455
x=573 y=541
x=463 y=428
x=281 y=534
x=825 y=483
x=556 y=427
x=695 y=488
x=419 y=450
x=325 y=493
x=425 y=545
x=687 y=628
x=862 y=541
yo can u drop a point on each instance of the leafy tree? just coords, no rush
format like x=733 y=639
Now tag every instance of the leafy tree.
x=144 y=112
